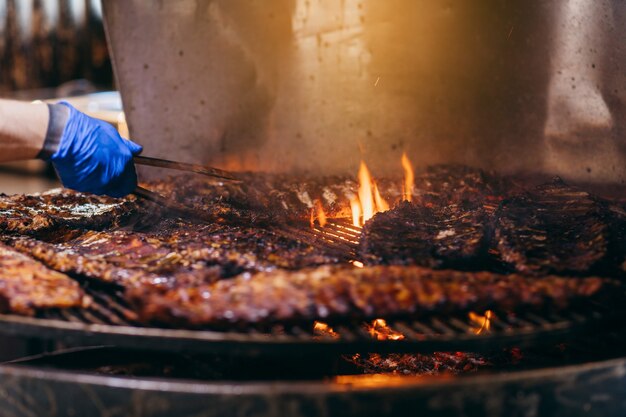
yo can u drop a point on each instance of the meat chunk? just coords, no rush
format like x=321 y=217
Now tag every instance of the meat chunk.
x=341 y=293
x=409 y=234
x=40 y=214
x=553 y=229
x=27 y=286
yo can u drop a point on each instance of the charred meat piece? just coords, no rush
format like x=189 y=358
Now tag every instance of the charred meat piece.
x=342 y=293
x=27 y=286
x=442 y=185
x=175 y=252
x=409 y=234
x=553 y=229
x=39 y=214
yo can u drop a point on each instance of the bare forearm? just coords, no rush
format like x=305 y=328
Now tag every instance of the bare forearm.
x=23 y=129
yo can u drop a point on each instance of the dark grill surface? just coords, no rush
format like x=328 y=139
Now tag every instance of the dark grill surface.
x=110 y=321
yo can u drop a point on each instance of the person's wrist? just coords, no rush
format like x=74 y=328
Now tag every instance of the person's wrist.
x=58 y=117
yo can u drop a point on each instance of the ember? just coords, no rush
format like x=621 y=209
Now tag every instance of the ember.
x=483 y=322
x=381 y=331
x=324 y=330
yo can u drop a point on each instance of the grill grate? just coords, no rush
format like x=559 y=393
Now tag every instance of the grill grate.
x=109 y=320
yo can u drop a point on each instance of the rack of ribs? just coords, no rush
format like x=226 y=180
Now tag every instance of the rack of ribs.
x=341 y=293
x=172 y=252
x=26 y=286
x=40 y=214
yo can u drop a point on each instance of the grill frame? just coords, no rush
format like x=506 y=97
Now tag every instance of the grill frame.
x=438 y=333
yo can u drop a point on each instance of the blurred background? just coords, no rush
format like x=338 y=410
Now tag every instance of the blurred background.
x=52 y=49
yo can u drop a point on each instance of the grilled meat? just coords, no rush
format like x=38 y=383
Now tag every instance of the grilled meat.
x=265 y=198
x=409 y=234
x=172 y=253
x=27 y=286
x=442 y=185
x=261 y=199
x=335 y=292
x=553 y=229
x=48 y=212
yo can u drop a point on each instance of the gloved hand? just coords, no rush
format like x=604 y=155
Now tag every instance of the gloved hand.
x=92 y=157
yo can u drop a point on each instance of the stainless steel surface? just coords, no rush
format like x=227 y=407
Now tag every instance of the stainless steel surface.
x=314 y=85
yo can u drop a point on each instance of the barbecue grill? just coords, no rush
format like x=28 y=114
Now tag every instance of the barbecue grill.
x=314 y=87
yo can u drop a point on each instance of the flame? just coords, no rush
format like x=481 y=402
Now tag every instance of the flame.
x=369 y=200
x=381 y=331
x=365 y=192
x=323 y=329
x=356 y=211
x=358 y=264
x=483 y=322
x=321 y=216
x=381 y=204
x=409 y=178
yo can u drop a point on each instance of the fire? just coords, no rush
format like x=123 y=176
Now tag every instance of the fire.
x=323 y=329
x=369 y=201
x=317 y=213
x=483 y=323
x=365 y=192
x=358 y=264
x=409 y=178
x=321 y=216
x=356 y=211
x=381 y=331
x=381 y=204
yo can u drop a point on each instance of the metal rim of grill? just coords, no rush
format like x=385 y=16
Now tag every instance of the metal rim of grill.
x=110 y=321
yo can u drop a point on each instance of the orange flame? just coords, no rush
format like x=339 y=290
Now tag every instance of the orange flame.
x=321 y=216
x=369 y=201
x=365 y=192
x=483 y=322
x=323 y=329
x=381 y=331
x=356 y=211
x=409 y=178
x=381 y=204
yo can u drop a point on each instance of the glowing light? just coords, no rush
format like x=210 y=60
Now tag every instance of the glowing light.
x=409 y=178
x=483 y=322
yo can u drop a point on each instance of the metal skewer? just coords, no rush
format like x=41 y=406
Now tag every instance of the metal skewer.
x=182 y=166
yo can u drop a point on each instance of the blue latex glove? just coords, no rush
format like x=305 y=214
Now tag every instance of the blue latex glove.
x=93 y=157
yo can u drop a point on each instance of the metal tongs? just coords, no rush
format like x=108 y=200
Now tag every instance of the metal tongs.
x=181 y=166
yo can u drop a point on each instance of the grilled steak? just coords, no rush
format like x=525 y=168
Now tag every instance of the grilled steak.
x=48 y=212
x=334 y=292
x=409 y=234
x=176 y=252
x=553 y=229
x=27 y=286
